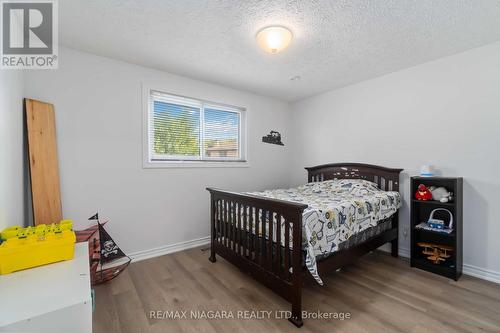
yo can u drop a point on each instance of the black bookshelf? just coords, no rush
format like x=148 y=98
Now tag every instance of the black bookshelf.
x=420 y=212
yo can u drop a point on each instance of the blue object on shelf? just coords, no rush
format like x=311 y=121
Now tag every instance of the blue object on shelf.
x=426 y=171
x=427 y=227
x=440 y=224
x=436 y=224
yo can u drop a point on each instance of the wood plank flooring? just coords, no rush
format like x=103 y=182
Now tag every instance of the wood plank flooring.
x=382 y=294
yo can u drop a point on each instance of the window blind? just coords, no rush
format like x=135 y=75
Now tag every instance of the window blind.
x=185 y=129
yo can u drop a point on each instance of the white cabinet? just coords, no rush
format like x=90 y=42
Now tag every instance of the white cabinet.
x=53 y=298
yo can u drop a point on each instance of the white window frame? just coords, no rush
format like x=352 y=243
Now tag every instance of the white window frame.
x=203 y=161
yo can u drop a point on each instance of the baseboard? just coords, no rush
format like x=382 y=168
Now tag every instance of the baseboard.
x=471 y=270
x=481 y=273
x=162 y=250
x=405 y=253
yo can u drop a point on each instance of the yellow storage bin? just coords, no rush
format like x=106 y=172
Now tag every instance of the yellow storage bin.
x=29 y=247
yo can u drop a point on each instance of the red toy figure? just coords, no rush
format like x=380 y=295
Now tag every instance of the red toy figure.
x=423 y=193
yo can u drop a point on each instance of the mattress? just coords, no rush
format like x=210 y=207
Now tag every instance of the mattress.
x=337 y=211
x=361 y=237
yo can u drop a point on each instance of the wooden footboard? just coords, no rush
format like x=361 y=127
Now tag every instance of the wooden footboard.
x=263 y=237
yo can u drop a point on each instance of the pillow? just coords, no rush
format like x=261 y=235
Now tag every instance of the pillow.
x=358 y=182
x=346 y=183
x=340 y=185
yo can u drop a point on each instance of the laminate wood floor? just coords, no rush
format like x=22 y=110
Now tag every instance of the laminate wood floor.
x=381 y=293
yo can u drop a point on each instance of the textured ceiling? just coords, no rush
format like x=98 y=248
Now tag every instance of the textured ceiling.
x=336 y=42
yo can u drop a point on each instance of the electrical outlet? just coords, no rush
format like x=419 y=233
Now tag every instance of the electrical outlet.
x=405 y=232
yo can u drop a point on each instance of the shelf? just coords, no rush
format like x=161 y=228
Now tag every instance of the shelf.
x=431 y=232
x=434 y=178
x=444 y=269
x=420 y=211
x=433 y=202
x=435 y=237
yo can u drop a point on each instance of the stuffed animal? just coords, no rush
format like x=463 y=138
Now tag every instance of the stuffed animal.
x=423 y=193
x=441 y=194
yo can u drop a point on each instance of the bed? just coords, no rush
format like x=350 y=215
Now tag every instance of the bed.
x=282 y=237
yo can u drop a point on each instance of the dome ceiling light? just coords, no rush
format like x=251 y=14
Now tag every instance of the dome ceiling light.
x=274 y=39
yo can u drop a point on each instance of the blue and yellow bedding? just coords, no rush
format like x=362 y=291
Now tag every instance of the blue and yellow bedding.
x=337 y=210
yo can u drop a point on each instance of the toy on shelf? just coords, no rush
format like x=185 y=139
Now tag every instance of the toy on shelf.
x=441 y=194
x=426 y=170
x=107 y=260
x=436 y=253
x=426 y=226
x=29 y=247
x=423 y=193
x=440 y=224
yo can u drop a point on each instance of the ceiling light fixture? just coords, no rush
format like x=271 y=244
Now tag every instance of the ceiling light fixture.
x=274 y=39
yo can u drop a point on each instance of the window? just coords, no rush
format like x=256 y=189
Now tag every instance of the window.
x=181 y=129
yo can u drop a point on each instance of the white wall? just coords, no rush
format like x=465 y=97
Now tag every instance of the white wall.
x=11 y=149
x=445 y=112
x=99 y=133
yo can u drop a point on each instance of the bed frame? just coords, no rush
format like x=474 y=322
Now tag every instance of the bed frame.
x=279 y=267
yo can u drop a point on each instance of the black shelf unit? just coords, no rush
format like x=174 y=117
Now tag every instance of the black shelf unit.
x=420 y=212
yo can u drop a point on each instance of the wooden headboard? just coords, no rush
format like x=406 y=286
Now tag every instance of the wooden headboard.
x=386 y=178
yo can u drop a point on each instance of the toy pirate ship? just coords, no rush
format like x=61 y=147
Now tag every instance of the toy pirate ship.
x=107 y=260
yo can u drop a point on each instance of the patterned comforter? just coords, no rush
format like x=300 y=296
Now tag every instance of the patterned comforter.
x=337 y=209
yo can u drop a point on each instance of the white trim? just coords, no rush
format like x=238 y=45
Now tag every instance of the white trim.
x=145 y=125
x=470 y=270
x=481 y=273
x=405 y=253
x=241 y=162
x=166 y=249
x=193 y=164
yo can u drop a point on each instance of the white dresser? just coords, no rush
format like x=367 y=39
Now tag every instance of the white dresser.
x=53 y=298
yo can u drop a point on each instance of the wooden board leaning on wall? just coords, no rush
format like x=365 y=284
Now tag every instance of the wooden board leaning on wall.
x=43 y=162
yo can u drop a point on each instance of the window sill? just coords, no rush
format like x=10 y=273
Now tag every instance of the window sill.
x=194 y=164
